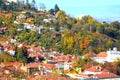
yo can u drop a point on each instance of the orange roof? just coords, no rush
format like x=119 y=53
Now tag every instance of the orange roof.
x=64 y=58
x=35 y=65
x=13 y=64
x=73 y=60
x=94 y=69
x=50 y=66
x=104 y=75
x=90 y=55
x=12 y=49
x=34 y=54
x=102 y=54
x=30 y=19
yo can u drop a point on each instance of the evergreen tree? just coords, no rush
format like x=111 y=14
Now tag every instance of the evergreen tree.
x=33 y=5
x=51 y=11
x=27 y=4
x=56 y=9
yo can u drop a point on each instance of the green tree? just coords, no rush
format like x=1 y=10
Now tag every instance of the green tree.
x=4 y=57
x=51 y=11
x=2 y=5
x=29 y=14
x=28 y=6
x=12 y=7
x=21 y=54
x=1 y=22
x=56 y=9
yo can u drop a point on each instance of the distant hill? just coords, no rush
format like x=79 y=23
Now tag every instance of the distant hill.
x=55 y=30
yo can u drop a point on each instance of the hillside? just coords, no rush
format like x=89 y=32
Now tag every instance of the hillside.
x=56 y=30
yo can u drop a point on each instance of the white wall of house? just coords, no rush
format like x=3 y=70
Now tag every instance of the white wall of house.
x=112 y=55
x=66 y=66
x=100 y=59
x=11 y=52
x=91 y=72
x=29 y=26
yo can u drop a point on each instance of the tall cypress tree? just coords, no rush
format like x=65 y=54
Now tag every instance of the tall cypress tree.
x=33 y=5
x=56 y=9
x=28 y=5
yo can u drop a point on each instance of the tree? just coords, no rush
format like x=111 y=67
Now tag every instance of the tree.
x=2 y=5
x=42 y=7
x=29 y=14
x=33 y=5
x=117 y=62
x=56 y=9
x=57 y=28
x=28 y=6
x=21 y=54
x=4 y=57
x=1 y=22
x=51 y=11
x=115 y=24
x=12 y=7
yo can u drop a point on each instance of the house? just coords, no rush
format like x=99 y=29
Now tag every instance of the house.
x=46 y=20
x=30 y=20
x=94 y=70
x=33 y=67
x=107 y=76
x=101 y=57
x=29 y=26
x=34 y=51
x=108 y=56
x=63 y=62
x=15 y=22
x=96 y=73
x=10 y=50
x=101 y=76
x=40 y=29
x=20 y=17
x=2 y=30
x=91 y=55
x=13 y=64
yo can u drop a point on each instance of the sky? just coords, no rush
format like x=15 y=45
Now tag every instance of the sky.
x=99 y=9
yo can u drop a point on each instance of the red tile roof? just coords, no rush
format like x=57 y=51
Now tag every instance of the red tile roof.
x=11 y=49
x=13 y=64
x=95 y=69
x=34 y=54
x=33 y=65
x=90 y=55
x=102 y=54
x=3 y=29
x=104 y=75
x=47 y=66
x=49 y=76
x=63 y=58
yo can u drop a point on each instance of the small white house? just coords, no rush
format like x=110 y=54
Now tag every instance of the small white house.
x=66 y=66
x=108 y=56
x=29 y=26
x=112 y=55
x=40 y=29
